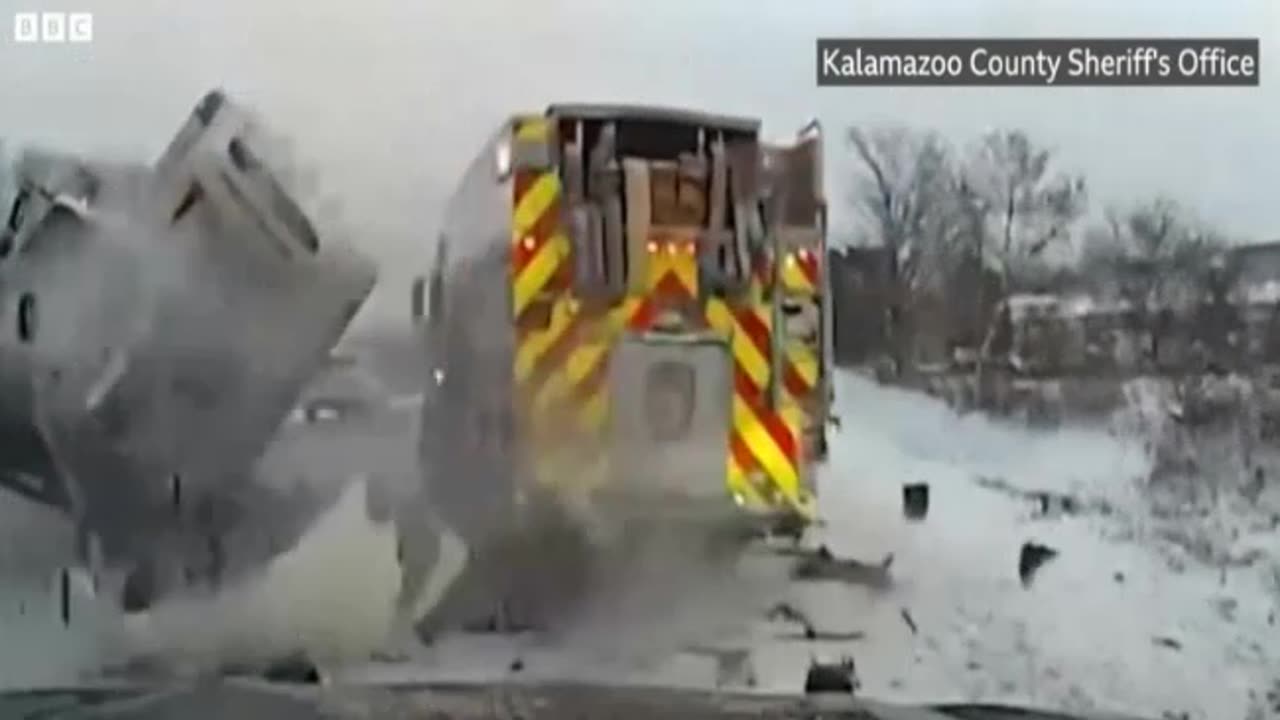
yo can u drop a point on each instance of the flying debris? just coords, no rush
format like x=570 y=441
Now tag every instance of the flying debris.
x=156 y=326
x=915 y=501
x=790 y=613
x=1030 y=558
x=822 y=565
x=733 y=665
x=831 y=677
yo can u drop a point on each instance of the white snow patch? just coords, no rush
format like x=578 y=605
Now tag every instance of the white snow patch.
x=1078 y=637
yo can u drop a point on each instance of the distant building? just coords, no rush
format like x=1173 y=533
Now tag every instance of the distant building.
x=1257 y=294
x=1089 y=330
x=1259 y=279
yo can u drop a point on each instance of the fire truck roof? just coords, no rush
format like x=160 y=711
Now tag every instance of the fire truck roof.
x=655 y=113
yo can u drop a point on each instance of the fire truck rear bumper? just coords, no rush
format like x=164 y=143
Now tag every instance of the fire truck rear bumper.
x=720 y=516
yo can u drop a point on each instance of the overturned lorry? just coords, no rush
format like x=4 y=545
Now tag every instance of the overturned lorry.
x=158 y=324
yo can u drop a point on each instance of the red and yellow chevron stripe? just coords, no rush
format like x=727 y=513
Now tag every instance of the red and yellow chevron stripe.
x=763 y=462
x=801 y=280
x=563 y=346
x=801 y=272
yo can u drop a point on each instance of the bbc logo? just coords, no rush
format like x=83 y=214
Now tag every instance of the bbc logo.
x=52 y=27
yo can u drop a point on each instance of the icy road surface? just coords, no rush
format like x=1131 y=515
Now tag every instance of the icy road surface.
x=1109 y=624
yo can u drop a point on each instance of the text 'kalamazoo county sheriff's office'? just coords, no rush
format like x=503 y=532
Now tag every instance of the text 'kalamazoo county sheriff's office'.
x=1038 y=62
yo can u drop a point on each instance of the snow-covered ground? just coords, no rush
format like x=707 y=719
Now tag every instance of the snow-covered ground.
x=1085 y=633
x=1117 y=621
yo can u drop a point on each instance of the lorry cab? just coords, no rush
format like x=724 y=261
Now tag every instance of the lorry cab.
x=159 y=319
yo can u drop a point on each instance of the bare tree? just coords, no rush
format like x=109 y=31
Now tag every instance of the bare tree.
x=1220 y=324
x=904 y=195
x=1162 y=264
x=1022 y=210
x=1029 y=209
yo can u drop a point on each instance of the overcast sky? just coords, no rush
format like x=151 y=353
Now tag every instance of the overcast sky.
x=390 y=98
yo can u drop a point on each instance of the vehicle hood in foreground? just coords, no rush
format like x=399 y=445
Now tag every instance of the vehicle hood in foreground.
x=251 y=699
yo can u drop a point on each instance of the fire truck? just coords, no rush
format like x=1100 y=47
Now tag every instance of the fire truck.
x=628 y=312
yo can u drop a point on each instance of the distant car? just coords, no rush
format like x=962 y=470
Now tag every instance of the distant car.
x=329 y=409
x=342 y=391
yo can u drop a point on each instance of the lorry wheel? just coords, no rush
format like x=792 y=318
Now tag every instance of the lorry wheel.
x=140 y=587
x=150 y=580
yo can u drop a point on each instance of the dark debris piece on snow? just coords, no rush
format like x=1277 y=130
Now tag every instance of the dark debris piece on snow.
x=915 y=501
x=787 y=612
x=837 y=677
x=910 y=621
x=1044 y=502
x=822 y=565
x=792 y=551
x=792 y=527
x=810 y=633
x=1030 y=558
x=1167 y=642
